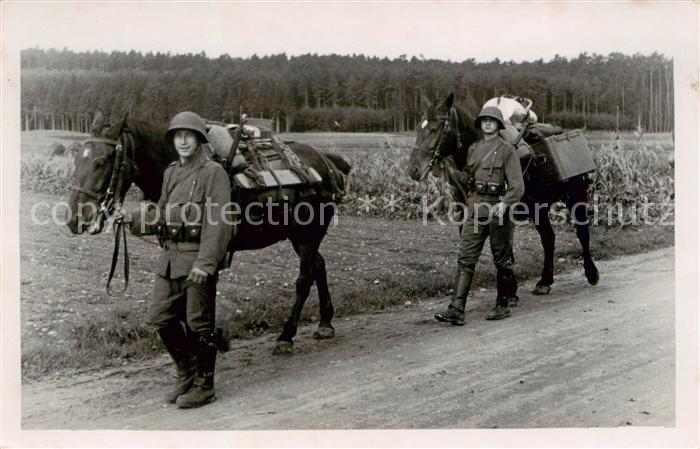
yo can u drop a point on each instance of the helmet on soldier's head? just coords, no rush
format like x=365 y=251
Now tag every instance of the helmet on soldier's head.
x=491 y=112
x=190 y=121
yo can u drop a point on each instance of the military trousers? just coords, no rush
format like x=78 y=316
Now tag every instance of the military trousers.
x=179 y=300
x=473 y=236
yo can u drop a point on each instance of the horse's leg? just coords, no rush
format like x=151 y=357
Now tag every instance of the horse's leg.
x=307 y=256
x=540 y=216
x=578 y=206
x=326 y=310
x=325 y=329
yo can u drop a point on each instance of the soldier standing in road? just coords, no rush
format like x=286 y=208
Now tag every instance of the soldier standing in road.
x=194 y=233
x=495 y=182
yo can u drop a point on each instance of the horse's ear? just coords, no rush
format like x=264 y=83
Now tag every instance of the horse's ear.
x=425 y=104
x=117 y=128
x=97 y=123
x=427 y=107
x=448 y=103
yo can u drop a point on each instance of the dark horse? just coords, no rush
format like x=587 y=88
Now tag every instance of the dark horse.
x=148 y=158
x=447 y=128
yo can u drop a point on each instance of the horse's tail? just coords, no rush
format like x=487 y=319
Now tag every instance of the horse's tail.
x=338 y=170
x=340 y=163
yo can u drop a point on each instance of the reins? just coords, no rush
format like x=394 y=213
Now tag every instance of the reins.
x=119 y=228
x=112 y=199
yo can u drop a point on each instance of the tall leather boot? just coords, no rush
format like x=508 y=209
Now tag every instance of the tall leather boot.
x=175 y=341
x=222 y=339
x=512 y=291
x=202 y=392
x=454 y=313
x=507 y=285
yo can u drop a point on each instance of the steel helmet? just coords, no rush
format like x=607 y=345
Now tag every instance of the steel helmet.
x=187 y=120
x=491 y=112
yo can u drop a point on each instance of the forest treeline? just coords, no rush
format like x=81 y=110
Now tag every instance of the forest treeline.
x=61 y=89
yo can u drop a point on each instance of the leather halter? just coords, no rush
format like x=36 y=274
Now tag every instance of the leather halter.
x=108 y=198
x=449 y=121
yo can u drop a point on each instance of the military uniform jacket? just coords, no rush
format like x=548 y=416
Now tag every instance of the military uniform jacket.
x=194 y=194
x=494 y=161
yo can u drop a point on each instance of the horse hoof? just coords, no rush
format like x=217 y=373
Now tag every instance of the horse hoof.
x=593 y=276
x=542 y=290
x=323 y=333
x=283 y=348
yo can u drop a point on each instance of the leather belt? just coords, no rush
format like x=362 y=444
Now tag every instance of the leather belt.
x=180 y=245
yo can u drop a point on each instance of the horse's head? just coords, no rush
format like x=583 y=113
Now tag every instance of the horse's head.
x=437 y=136
x=96 y=166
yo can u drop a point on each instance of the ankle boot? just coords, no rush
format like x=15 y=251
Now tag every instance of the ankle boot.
x=500 y=311
x=202 y=391
x=175 y=341
x=454 y=313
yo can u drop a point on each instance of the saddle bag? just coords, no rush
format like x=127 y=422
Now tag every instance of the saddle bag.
x=562 y=157
x=284 y=187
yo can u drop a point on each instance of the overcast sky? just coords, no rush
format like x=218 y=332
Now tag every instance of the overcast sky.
x=455 y=31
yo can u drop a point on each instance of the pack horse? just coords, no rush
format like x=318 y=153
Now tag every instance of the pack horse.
x=440 y=147
x=115 y=156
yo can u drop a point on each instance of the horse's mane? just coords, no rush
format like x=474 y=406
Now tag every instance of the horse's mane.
x=468 y=133
x=152 y=156
x=150 y=137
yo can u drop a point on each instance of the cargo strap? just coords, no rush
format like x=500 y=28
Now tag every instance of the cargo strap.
x=234 y=147
x=527 y=113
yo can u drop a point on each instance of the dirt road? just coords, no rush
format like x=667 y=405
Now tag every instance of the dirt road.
x=582 y=357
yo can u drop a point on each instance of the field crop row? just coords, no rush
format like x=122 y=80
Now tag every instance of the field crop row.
x=632 y=172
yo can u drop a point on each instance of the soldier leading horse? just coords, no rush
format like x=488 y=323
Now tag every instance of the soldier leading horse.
x=441 y=143
x=135 y=149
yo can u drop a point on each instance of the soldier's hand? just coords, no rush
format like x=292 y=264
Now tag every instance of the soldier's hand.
x=499 y=209
x=197 y=275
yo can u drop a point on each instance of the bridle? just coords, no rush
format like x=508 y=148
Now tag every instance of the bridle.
x=449 y=122
x=111 y=198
